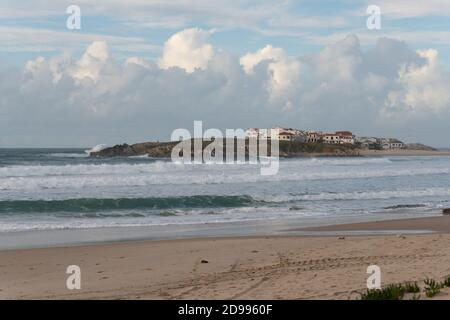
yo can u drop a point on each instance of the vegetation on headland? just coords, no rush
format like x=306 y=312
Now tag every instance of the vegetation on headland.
x=399 y=290
x=286 y=149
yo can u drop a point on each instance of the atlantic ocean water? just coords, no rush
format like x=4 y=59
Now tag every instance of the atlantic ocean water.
x=60 y=189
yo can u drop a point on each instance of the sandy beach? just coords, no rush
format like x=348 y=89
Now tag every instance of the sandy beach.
x=276 y=267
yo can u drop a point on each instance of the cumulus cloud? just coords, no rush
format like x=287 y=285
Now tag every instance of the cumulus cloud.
x=250 y=60
x=92 y=61
x=283 y=71
x=67 y=100
x=422 y=88
x=187 y=49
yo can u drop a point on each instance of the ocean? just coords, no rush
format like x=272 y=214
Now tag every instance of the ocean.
x=60 y=189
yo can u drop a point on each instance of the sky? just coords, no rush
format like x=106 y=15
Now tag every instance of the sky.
x=136 y=70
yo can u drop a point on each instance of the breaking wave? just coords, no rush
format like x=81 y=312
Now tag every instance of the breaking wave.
x=98 y=205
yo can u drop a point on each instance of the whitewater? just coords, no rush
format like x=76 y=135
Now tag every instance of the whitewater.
x=51 y=189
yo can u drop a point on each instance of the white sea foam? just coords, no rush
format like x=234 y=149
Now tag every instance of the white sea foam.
x=361 y=195
x=181 y=218
x=96 y=148
x=68 y=155
x=142 y=156
x=167 y=173
x=315 y=187
x=346 y=161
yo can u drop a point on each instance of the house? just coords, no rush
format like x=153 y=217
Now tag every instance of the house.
x=252 y=133
x=313 y=136
x=390 y=143
x=395 y=144
x=300 y=136
x=368 y=142
x=273 y=133
x=345 y=137
x=331 y=138
x=285 y=136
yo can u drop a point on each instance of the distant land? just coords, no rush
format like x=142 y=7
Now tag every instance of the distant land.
x=287 y=149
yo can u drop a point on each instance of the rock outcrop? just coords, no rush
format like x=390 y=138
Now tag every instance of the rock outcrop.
x=152 y=149
x=286 y=149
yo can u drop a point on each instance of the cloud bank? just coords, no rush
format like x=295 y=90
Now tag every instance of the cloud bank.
x=388 y=90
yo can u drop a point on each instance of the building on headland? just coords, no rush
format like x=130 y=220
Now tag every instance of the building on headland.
x=370 y=143
x=346 y=137
x=331 y=138
x=291 y=134
x=390 y=143
x=285 y=136
x=339 y=137
x=313 y=136
x=252 y=133
x=396 y=144
x=374 y=143
x=277 y=133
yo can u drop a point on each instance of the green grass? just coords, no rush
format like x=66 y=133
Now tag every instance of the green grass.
x=411 y=287
x=432 y=287
x=415 y=297
x=398 y=291
x=391 y=292
x=446 y=282
x=293 y=147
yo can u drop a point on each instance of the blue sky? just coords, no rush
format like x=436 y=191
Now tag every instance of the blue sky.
x=138 y=69
x=299 y=27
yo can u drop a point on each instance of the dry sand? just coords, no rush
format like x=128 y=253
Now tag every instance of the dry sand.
x=290 y=267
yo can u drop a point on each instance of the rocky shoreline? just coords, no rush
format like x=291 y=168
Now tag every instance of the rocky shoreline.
x=287 y=149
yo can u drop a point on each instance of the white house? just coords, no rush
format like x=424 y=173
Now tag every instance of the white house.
x=252 y=133
x=345 y=137
x=285 y=136
x=395 y=144
x=331 y=138
x=389 y=143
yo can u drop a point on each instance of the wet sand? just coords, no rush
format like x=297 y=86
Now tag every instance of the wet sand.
x=439 y=224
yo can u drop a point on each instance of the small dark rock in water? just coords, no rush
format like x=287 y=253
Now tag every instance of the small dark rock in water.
x=204 y=261
x=446 y=211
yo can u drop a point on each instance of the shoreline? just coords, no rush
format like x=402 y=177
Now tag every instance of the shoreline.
x=30 y=239
x=438 y=224
x=402 y=152
x=236 y=267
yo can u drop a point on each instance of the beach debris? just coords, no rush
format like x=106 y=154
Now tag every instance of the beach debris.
x=401 y=236
x=341 y=238
x=204 y=261
x=446 y=211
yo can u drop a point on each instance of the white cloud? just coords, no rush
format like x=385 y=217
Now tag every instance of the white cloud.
x=422 y=88
x=283 y=71
x=69 y=100
x=137 y=61
x=187 y=49
x=407 y=8
x=92 y=61
x=250 y=60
